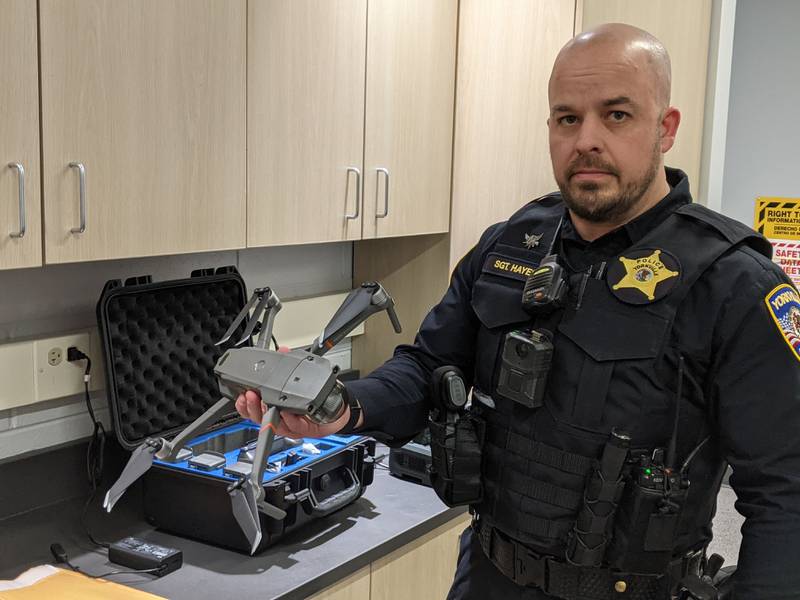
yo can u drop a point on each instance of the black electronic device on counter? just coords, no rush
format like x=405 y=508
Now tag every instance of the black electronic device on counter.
x=159 y=349
x=136 y=553
x=413 y=461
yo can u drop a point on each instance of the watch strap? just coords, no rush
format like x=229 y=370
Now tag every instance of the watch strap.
x=355 y=411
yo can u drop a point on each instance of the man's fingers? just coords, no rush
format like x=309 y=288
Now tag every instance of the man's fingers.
x=296 y=424
x=241 y=406
x=286 y=432
x=250 y=406
x=254 y=408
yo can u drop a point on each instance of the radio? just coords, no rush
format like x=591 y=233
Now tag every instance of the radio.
x=546 y=287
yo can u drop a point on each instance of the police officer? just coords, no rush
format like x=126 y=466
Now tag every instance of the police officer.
x=676 y=329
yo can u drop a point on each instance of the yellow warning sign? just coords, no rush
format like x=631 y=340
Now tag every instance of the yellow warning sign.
x=778 y=218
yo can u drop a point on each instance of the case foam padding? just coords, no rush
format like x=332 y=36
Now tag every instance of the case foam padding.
x=326 y=446
x=162 y=346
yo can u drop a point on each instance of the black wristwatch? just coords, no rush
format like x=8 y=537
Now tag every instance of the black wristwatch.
x=355 y=411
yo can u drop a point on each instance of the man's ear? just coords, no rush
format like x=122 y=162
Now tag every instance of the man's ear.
x=668 y=128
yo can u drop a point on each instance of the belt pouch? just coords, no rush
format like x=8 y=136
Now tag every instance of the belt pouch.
x=456 y=459
x=644 y=529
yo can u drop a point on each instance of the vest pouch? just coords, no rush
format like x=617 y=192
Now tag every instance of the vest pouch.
x=645 y=529
x=456 y=449
x=614 y=356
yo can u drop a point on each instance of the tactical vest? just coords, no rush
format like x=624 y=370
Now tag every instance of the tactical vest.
x=614 y=366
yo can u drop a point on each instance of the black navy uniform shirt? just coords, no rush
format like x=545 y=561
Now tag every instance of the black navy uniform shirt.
x=748 y=372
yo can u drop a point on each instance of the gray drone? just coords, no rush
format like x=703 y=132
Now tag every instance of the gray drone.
x=299 y=381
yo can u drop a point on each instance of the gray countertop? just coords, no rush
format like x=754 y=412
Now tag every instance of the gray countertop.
x=391 y=513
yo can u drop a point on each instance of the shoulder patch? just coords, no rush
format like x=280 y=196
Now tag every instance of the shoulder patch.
x=783 y=304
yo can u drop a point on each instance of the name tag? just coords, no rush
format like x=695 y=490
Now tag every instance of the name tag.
x=504 y=266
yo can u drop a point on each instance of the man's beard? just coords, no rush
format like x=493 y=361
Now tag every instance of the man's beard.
x=606 y=209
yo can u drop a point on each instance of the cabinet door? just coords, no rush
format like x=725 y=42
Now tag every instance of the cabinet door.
x=149 y=96
x=421 y=569
x=411 y=53
x=305 y=120
x=501 y=154
x=19 y=136
x=355 y=587
x=683 y=26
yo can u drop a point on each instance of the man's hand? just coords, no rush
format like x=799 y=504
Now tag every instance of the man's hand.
x=250 y=406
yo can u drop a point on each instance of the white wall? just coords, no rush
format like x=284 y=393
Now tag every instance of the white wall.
x=45 y=301
x=761 y=154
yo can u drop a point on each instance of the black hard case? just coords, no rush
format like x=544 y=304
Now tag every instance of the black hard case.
x=159 y=348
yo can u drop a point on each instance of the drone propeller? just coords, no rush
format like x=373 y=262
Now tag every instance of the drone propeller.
x=138 y=464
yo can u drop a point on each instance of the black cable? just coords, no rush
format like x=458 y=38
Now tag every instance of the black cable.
x=85 y=525
x=673 y=441
x=693 y=453
x=378 y=462
x=275 y=342
x=155 y=571
x=95 y=451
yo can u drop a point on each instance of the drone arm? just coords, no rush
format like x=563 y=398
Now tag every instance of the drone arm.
x=359 y=305
x=273 y=306
x=170 y=449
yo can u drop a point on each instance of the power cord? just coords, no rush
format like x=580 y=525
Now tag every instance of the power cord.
x=378 y=461
x=130 y=551
x=96 y=449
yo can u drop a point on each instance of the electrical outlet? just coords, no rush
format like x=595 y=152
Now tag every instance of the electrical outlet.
x=56 y=377
x=55 y=356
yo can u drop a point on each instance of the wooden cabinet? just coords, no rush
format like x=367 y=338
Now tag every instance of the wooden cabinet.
x=20 y=227
x=355 y=587
x=422 y=569
x=411 y=51
x=334 y=118
x=683 y=26
x=305 y=127
x=149 y=98
x=501 y=155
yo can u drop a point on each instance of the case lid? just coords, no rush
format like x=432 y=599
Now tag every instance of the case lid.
x=158 y=342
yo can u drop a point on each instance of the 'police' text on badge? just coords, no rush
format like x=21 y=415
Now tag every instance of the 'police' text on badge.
x=784 y=305
x=644 y=275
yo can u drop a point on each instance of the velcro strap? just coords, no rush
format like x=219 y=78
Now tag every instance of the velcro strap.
x=512 y=559
x=588 y=522
x=542 y=491
x=582 y=554
x=604 y=491
x=546 y=455
x=543 y=528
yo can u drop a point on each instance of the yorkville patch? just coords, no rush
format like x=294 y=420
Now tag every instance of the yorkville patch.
x=784 y=305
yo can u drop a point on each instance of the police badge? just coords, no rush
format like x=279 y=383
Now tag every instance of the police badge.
x=643 y=276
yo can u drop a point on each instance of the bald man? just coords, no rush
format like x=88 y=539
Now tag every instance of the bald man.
x=655 y=343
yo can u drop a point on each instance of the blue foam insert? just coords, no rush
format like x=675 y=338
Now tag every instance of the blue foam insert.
x=327 y=446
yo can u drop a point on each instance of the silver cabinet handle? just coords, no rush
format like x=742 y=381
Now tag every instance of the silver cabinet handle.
x=82 y=187
x=385 y=212
x=357 y=171
x=22 y=224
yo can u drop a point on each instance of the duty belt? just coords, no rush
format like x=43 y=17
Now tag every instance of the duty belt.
x=572 y=582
